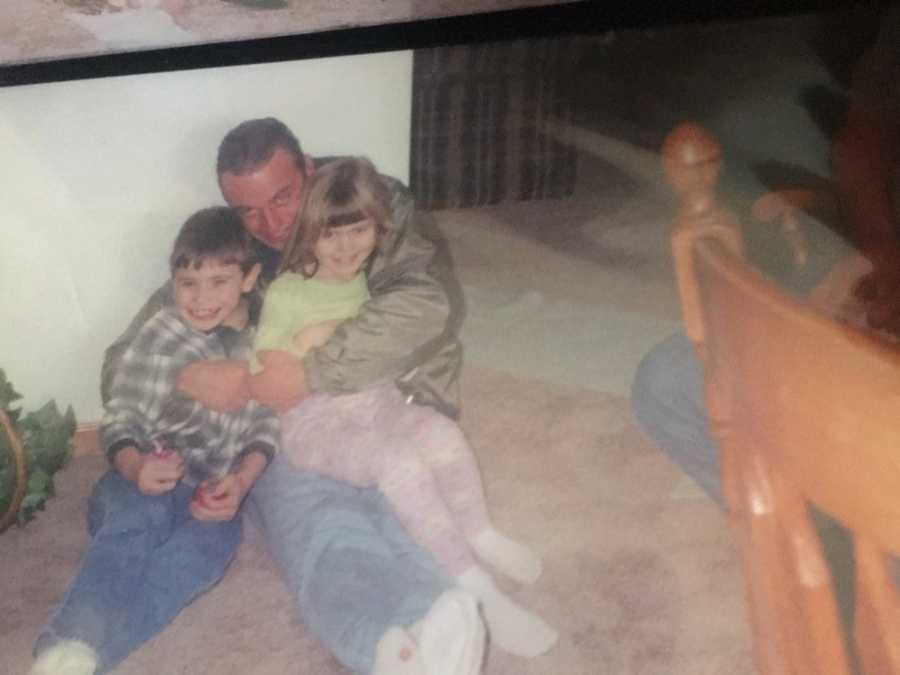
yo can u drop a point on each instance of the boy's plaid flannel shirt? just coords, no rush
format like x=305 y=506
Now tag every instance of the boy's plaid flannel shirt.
x=145 y=408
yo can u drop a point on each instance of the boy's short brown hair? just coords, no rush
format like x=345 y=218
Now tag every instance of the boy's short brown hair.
x=215 y=233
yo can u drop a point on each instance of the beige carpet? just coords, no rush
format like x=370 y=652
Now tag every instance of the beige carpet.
x=638 y=579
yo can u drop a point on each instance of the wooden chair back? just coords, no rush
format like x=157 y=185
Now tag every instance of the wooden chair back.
x=806 y=412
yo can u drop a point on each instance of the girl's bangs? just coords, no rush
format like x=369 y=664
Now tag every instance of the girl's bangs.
x=345 y=218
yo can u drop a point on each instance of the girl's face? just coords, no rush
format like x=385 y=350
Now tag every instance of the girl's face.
x=342 y=251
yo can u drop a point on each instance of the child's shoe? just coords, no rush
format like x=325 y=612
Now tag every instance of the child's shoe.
x=449 y=640
x=68 y=657
x=452 y=636
x=397 y=654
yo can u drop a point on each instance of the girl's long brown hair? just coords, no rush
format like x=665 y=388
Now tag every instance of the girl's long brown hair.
x=342 y=192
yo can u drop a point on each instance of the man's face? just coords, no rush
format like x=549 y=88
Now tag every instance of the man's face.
x=268 y=198
x=211 y=295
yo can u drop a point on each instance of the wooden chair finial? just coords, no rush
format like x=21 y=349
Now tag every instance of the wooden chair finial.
x=691 y=159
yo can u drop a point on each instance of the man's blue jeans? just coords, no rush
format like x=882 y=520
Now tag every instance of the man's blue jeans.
x=351 y=568
x=147 y=560
x=668 y=402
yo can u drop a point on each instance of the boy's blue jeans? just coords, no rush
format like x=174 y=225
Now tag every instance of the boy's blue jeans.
x=147 y=560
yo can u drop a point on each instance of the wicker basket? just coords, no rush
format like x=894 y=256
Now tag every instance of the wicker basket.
x=18 y=451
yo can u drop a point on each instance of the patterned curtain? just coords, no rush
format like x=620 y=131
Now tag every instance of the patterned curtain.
x=491 y=122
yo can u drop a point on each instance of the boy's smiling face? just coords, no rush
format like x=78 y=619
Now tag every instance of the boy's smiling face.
x=212 y=295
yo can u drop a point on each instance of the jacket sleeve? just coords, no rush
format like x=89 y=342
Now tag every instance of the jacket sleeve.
x=112 y=358
x=401 y=325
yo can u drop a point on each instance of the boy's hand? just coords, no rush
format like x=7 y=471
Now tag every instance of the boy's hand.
x=282 y=383
x=219 y=385
x=160 y=474
x=153 y=473
x=219 y=501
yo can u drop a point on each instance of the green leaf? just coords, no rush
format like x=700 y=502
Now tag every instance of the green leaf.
x=33 y=501
x=39 y=482
x=7 y=393
x=40 y=489
x=30 y=504
x=47 y=437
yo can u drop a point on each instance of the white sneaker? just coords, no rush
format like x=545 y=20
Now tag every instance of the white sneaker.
x=69 y=657
x=397 y=654
x=453 y=636
x=449 y=640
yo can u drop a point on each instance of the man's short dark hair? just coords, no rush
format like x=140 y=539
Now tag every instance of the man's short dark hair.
x=216 y=233
x=252 y=143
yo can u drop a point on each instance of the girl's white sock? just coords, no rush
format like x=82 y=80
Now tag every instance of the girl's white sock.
x=512 y=628
x=68 y=657
x=513 y=559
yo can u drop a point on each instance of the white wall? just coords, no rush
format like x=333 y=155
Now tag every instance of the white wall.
x=96 y=177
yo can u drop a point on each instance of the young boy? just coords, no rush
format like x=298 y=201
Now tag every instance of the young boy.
x=162 y=520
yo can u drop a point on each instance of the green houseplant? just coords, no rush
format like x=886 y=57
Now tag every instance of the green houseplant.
x=33 y=447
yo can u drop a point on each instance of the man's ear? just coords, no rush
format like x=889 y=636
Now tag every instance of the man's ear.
x=309 y=164
x=250 y=278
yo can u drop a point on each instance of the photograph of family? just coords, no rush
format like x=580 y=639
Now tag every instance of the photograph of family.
x=379 y=363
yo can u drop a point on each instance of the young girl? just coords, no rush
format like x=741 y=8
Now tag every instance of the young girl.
x=419 y=459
